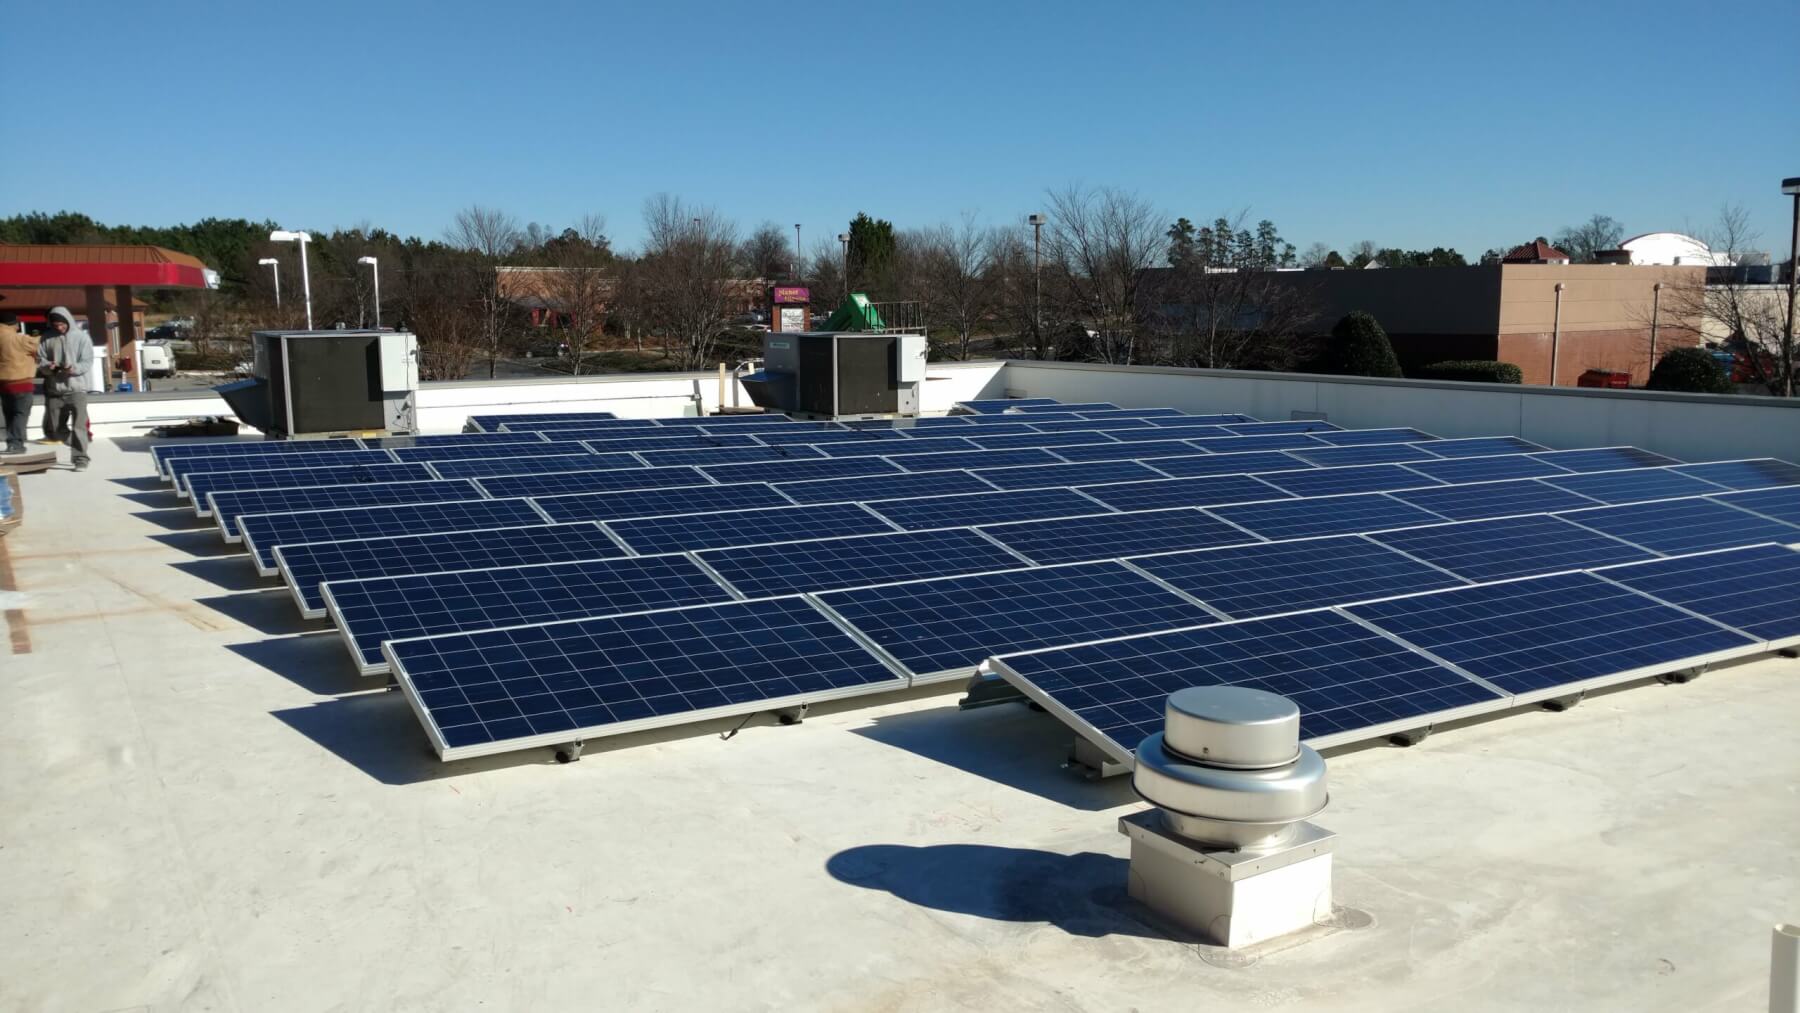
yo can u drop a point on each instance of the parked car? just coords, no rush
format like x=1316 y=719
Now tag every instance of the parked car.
x=159 y=358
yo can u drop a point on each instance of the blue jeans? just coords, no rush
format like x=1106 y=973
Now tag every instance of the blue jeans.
x=6 y=497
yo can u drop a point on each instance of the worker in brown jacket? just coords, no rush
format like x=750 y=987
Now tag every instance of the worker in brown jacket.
x=18 y=371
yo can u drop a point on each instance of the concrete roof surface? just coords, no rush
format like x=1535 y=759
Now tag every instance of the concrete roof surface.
x=206 y=808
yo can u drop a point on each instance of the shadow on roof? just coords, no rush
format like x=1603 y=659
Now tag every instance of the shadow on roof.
x=144 y=483
x=316 y=662
x=176 y=518
x=160 y=499
x=205 y=543
x=378 y=734
x=1010 y=745
x=268 y=610
x=230 y=573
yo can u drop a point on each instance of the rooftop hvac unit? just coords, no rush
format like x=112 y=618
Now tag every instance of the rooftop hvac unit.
x=329 y=383
x=833 y=373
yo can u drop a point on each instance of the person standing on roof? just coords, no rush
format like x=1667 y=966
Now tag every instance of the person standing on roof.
x=18 y=373
x=64 y=357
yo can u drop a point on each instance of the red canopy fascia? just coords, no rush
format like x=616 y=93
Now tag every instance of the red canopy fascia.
x=23 y=266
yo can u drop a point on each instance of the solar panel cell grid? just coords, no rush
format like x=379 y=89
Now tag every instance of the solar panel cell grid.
x=828 y=563
x=908 y=425
x=1208 y=490
x=878 y=487
x=1633 y=486
x=1163 y=434
x=1067 y=475
x=686 y=532
x=565 y=482
x=785 y=436
x=1184 y=421
x=1485 y=469
x=1605 y=459
x=1109 y=536
x=1483 y=500
x=1131 y=413
x=545 y=425
x=163 y=455
x=1143 y=450
x=1254 y=463
x=655 y=502
x=964 y=460
x=1483 y=446
x=1240 y=444
x=451 y=440
x=747 y=419
x=1510 y=547
x=181 y=468
x=485 y=467
x=1678 y=526
x=893 y=448
x=727 y=455
x=1084 y=406
x=1090 y=425
x=1754 y=474
x=1363 y=437
x=1756 y=590
x=1040 y=440
x=983 y=425
x=1331 y=481
x=679 y=441
x=263 y=532
x=1362 y=454
x=1782 y=504
x=996 y=405
x=985 y=508
x=800 y=471
x=1278 y=428
x=207 y=482
x=227 y=507
x=1272 y=577
x=491 y=423
x=1325 y=515
x=474 y=451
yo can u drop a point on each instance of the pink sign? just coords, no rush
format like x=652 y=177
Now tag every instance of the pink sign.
x=789 y=294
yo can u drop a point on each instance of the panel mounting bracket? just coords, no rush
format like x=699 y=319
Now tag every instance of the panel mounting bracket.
x=1092 y=762
x=1558 y=704
x=791 y=715
x=571 y=752
x=1681 y=675
x=1410 y=737
x=985 y=690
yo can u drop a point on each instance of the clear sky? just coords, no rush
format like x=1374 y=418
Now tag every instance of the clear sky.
x=1461 y=124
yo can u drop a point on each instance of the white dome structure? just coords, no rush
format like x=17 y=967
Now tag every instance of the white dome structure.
x=1672 y=248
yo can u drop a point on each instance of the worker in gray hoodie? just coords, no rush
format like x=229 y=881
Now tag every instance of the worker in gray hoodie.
x=65 y=356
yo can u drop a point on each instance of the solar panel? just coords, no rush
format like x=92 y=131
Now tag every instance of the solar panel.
x=679 y=441
x=1605 y=459
x=895 y=448
x=564 y=482
x=1365 y=437
x=1013 y=442
x=1142 y=450
x=1163 y=434
x=306 y=566
x=1278 y=428
x=205 y=483
x=959 y=460
x=872 y=436
x=1086 y=406
x=1760 y=473
x=1377 y=453
x=995 y=405
x=727 y=455
x=1253 y=463
x=1548 y=635
x=1203 y=420
x=1131 y=413
x=871 y=487
x=1239 y=444
x=944 y=627
x=499 y=690
x=1485 y=469
x=1078 y=425
x=985 y=508
x=478 y=451
x=1268 y=578
x=1349 y=682
x=1675 y=527
x=1756 y=589
x=1109 y=536
x=1782 y=504
x=654 y=502
x=688 y=532
x=1633 y=486
x=1046 y=476
x=1483 y=446
x=800 y=471
x=1206 y=490
x=484 y=467
x=368 y=612
x=572 y=421
x=162 y=454
x=181 y=468
x=769 y=431
x=1482 y=500
x=1510 y=547
x=1325 y=515
x=981 y=425
x=1333 y=481
x=491 y=423
x=450 y=440
x=228 y=506
x=823 y=564
x=263 y=532
x=748 y=418
x=908 y=425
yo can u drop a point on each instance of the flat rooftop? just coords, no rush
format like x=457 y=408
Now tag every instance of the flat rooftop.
x=206 y=808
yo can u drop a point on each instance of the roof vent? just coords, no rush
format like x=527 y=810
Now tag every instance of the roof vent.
x=1227 y=852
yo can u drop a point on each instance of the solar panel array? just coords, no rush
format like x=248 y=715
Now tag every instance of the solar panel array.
x=544 y=578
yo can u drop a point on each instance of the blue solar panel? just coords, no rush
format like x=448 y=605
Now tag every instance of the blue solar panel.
x=1276 y=428
x=655 y=502
x=1483 y=446
x=800 y=471
x=983 y=425
x=870 y=487
x=206 y=482
x=263 y=532
x=1144 y=450
x=162 y=455
x=909 y=425
x=959 y=460
x=576 y=420
x=306 y=566
x=369 y=612
x=870 y=436
x=1039 y=440
x=1605 y=459
x=451 y=440
x=1510 y=547
x=584 y=678
x=769 y=431
x=1109 y=536
x=485 y=467
x=948 y=625
x=1091 y=425
x=1267 y=578
x=686 y=532
x=492 y=423
x=1085 y=406
x=1164 y=434
x=1782 y=504
x=1633 y=486
x=1325 y=515
x=678 y=441
x=1678 y=526
x=823 y=564
x=1550 y=633
x=1187 y=421
x=1332 y=481
x=1047 y=476
x=1240 y=444
x=1348 y=681
x=892 y=448
x=227 y=507
x=985 y=508
x=1756 y=590
x=1253 y=463
x=996 y=405
x=1206 y=490
x=1486 y=469
x=727 y=455
x=1760 y=473
x=1482 y=500
x=565 y=482
x=1132 y=413
x=477 y=451
x=181 y=468
x=1363 y=454
x=750 y=418
x=1364 y=437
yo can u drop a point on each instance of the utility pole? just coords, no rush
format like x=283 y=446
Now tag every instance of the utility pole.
x=844 y=241
x=1791 y=187
x=1037 y=283
x=1556 y=333
x=795 y=273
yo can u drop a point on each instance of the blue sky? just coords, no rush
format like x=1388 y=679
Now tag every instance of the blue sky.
x=1412 y=125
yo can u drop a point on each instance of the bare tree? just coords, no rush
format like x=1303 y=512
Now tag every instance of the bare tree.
x=431 y=295
x=1230 y=318
x=1748 y=319
x=1583 y=243
x=1099 y=243
x=766 y=253
x=825 y=278
x=577 y=286
x=958 y=261
x=491 y=236
x=688 y=253
x=1316 y=255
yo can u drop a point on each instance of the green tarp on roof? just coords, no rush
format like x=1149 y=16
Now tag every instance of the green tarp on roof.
x=856 y=314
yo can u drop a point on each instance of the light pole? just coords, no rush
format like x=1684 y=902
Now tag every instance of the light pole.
x=1556 y=333
x=1037 y=285
x=375 y=269
x=284 y=236
x=844 y=241
x=796 y=265
x=1791 y=187
x=1655 y=318
x=275 y=266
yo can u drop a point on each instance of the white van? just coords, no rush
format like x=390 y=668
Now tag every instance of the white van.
x=159 y=359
